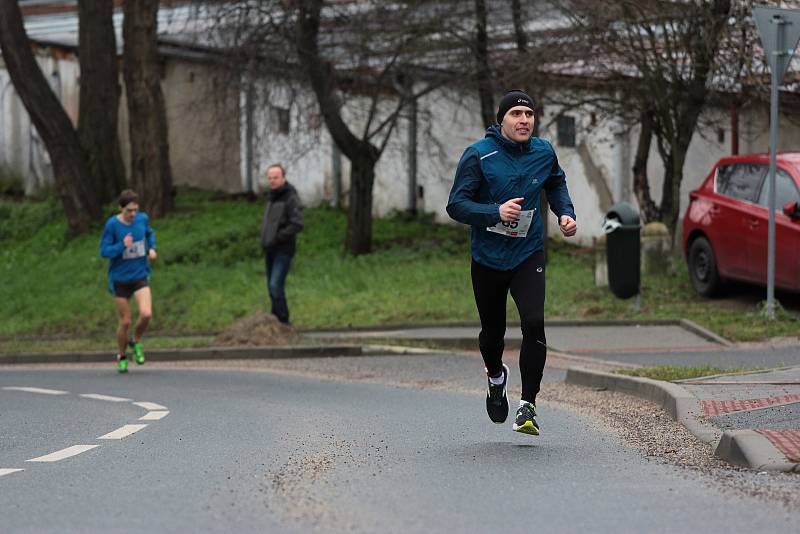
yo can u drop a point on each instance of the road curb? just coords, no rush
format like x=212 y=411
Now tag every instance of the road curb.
x=680 y=404
x=740 y=447
x=751 y=449
x=704 y=332
x=216 y=353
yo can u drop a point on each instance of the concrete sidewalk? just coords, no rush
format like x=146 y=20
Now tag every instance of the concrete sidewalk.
x=572 y=337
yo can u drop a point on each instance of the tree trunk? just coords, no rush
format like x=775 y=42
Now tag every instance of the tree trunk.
x=362 y=154
x=641 y=185
x=671 y=201
x=99 y=97
x=51 y=121
x=483 y=70
x=150 y=170
x=359 y=218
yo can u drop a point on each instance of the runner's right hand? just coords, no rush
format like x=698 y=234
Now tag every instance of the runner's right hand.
x=128 y=241
x=509 y=211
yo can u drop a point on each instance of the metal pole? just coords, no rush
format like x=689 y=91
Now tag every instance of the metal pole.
x=773 y=141
x=773 y=148
x=249 y=132
x=412 y=156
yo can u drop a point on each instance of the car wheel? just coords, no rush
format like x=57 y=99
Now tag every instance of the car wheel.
x=703 y=268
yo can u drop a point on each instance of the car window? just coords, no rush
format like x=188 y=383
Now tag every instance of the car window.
x=785 y=190
x=740 y=180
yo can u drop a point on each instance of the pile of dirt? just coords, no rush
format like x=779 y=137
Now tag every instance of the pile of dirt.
x=256 y=330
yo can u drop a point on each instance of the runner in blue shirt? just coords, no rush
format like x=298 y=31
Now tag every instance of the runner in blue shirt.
x=496 y=191
x=128 y=242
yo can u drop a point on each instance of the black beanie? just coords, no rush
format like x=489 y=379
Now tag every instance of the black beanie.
x=512 y=99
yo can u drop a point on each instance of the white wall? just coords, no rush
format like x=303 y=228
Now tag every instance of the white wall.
x=446 y=126
x=22 y=151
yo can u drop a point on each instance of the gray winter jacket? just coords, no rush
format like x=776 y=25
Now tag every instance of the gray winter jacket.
x=283 y=219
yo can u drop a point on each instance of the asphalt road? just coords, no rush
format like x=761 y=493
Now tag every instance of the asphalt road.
x=264 y=450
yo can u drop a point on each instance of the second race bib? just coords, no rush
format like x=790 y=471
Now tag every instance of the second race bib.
x=136 y=250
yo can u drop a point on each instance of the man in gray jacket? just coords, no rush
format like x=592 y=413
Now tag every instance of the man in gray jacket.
x=283 y=219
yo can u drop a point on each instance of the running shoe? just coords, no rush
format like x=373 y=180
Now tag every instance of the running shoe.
x=496 y=400
x=122 y=363
x=526 y=420
x=138 y=353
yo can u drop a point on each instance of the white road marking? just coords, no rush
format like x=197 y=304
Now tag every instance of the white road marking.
x=150 y=406
x=109 y=398
x=63 y=453
x=155 y=413
x=122 y=432
x=154 y=416
x=9 y=471
x=36 y=390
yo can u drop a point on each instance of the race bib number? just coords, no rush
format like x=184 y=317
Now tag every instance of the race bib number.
x=518 y=228
x=136 y=250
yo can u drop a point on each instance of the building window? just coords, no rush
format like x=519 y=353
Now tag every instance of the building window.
x=280 y=120
x=565 y=126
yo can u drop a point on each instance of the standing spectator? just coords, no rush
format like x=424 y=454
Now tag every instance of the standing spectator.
x=283 y=219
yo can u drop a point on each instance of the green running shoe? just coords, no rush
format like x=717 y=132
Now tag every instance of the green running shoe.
x=526 y=420
x=122 y=363
x=138 y=353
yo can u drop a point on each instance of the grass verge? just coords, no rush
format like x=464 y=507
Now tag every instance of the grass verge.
x=210 y=273
x=680 y=372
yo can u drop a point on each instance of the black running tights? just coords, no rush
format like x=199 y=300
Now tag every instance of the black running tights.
x=526 y=283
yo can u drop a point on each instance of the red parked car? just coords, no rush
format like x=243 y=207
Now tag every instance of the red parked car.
x=725 y=228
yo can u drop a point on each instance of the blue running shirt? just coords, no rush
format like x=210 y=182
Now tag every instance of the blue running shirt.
x=127 y=264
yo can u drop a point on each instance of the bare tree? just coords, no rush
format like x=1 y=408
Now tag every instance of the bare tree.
x=364 y=61
x=71 y=174
x=99 y=97
x=150 y=167
x=658 y=58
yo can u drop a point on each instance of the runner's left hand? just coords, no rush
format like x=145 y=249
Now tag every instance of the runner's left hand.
x=568 y=226
x=152 y=254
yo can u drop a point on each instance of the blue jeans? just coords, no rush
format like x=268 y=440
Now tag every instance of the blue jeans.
x=277 y=266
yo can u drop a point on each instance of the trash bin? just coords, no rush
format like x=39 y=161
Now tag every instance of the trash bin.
x=621 y=226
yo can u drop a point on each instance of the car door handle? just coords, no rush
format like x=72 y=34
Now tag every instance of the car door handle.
x=754 y=223
x=714 y=210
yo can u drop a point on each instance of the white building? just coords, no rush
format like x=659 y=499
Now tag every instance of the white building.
x=224 y=133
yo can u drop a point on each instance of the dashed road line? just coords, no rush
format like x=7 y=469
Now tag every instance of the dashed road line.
x=154 y=416
x=63 y=453
x=6 y=471
x=122 y=432
x=109 y=398
x=155 y=412
x=37 y=390
x=150 y=406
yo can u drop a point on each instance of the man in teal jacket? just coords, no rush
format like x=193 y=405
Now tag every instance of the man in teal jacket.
x=496 y=191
